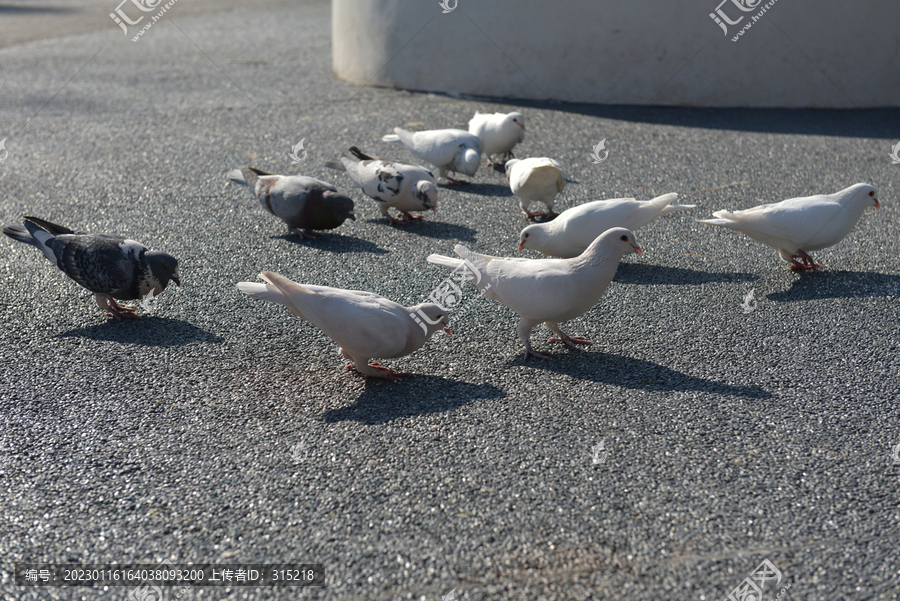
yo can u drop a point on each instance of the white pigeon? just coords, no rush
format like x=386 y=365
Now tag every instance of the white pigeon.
x=499 y=132
x=364 y=324
x=546 y=291
x=536 y=179
x=796 y=226
x=574 y=229
x=450 y=150
x=404 y=187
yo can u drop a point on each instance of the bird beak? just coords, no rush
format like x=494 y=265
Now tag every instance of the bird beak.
x=174 y=277
x=447 y=331
x=522 y=125
x=351 y=215
x=637 y=249
x=521 y=246
x=877 y=204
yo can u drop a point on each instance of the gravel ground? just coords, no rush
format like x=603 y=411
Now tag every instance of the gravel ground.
x=221 y=429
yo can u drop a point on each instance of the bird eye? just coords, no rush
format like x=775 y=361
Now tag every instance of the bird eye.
x=164 y=266
x=625 y=238
x=872 y=193
x=526 y=235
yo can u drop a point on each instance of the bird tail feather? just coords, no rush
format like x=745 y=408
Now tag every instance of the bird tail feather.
x=236 y=177
x=360 y=154
x=444 y=261
x=390 y=138
x=335 y=164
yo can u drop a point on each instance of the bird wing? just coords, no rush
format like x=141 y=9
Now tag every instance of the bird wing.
x=797 y=220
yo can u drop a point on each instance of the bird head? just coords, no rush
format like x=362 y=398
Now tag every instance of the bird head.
x=860 y=195
x=509 y=165
x=163 y=266
x=343 y=205
x=518 y=119
x=427 y=192
x=618 y=238
x=437 y=318
x=532 y=236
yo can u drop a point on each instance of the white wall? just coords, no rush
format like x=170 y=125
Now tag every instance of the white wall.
x=828 y=53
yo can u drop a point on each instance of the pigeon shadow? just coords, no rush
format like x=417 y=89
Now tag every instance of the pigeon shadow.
x=839 y=284
x=484 y=189
x=335 y=243
x=149 y=330
x=435 y=229
x=384 y=401
x=628 y=372
x=7 y=9
x=646 y=273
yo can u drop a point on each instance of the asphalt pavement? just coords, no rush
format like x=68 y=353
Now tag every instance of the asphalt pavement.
x=223 y=430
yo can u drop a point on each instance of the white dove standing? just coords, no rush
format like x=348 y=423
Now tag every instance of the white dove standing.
x=450 y=150
x=499 y=132
x=404 y=187
x=547 y=291
x=535 y=180
x=364 y=324
x=796 y=226
x=576 y=228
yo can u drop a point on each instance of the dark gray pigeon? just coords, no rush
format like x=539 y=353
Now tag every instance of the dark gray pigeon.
x=111 y=267
x=304 y=203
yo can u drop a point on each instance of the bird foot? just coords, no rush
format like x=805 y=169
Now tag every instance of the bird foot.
x=403 y=222
x=805 y=262
x=410 y=217
x=571 y=340
x=384 y=372
x=302 y=234
x=530 y=352
x=532 y=214
x=456 y=182
x=121 y=313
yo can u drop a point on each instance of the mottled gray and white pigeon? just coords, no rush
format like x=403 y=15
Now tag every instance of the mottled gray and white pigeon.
x=390 y=184
x=796 y=226
x=574 y=229
x=450 y=150
x=303 y=203
x=499 y=132
x=363 y=324
x=536 y=179
x=547 y=291
x=111 y=267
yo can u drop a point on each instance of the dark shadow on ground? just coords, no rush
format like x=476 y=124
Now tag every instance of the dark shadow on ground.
x=851 y=123
x=628 y=372
x=434 y=229
x=646 y=273
x=335 y=243
x=838 y=284
x=146 y=331
x=483 y=189
x=384 y=401
x=7 y=9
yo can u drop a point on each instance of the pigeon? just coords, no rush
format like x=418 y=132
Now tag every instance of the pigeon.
x=546 y=290
x=364 y=324
x=304 y=203
x=111 y=267
x=450 y=150
x=499 y=132
x=796 y=226
x=574 y=229
x=535 y=180
x=404 y=187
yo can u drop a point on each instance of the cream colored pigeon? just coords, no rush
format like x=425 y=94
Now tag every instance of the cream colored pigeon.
x=574 y=229
x=450 y=150
x=363 y=324
x=500 y=132
x=796 y=226
x=547 y=291
x=536 y=179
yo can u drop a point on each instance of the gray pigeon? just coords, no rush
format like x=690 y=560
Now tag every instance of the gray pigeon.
x=404 y=187
x=111 y=267
x=304 y=203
